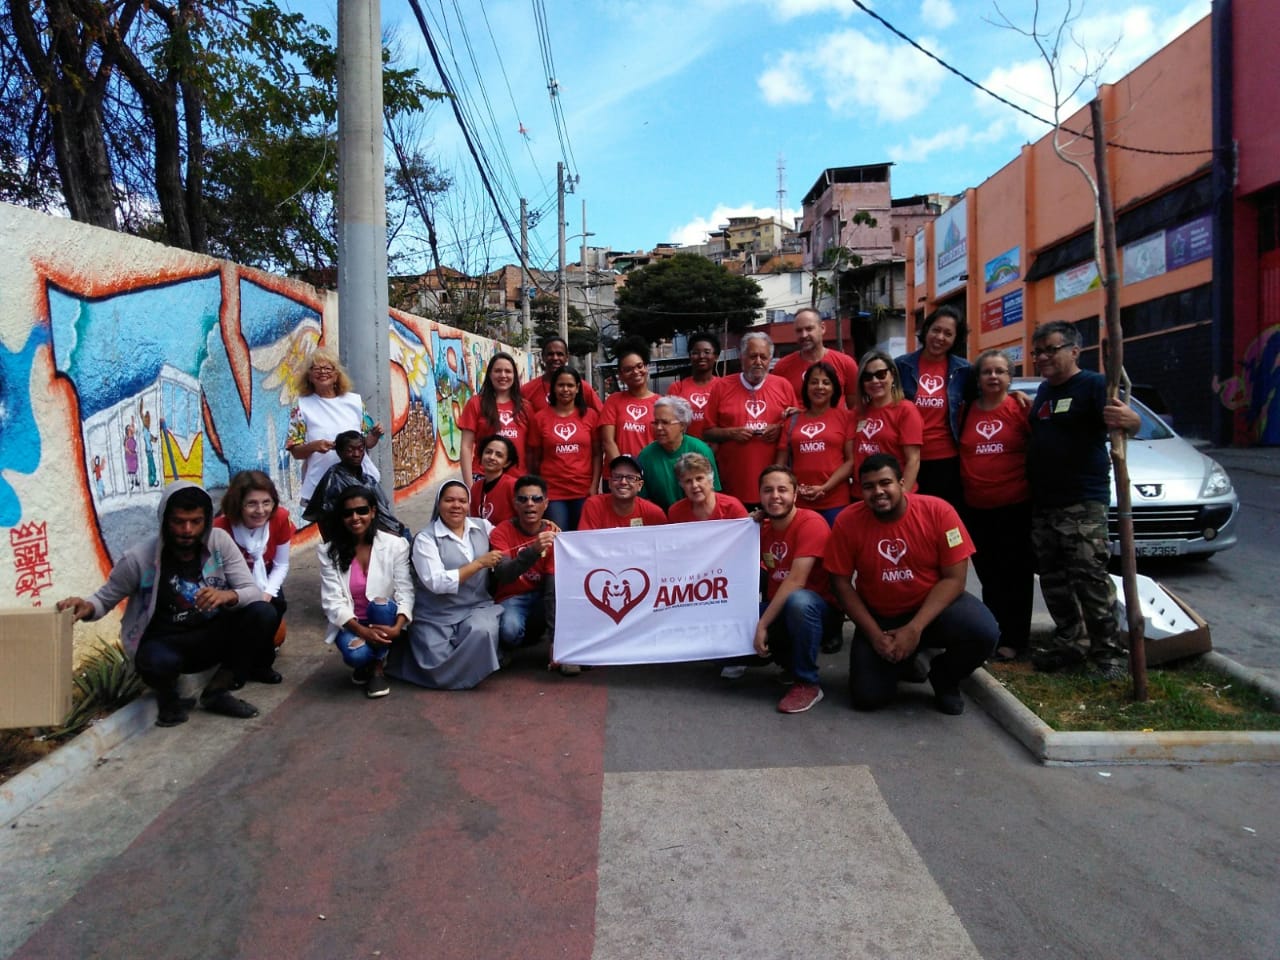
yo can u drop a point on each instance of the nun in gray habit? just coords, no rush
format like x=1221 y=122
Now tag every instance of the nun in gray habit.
x=452 y=642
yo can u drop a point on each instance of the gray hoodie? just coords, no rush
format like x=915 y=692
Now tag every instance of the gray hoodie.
x=135 y=574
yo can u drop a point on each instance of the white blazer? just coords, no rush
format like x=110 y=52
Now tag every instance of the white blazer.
x=388 y=576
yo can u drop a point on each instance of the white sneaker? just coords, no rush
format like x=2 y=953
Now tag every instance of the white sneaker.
x=733 y=672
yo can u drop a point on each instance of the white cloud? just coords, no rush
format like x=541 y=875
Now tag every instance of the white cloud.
x=790 y=9
x=784 y=82
x=919 y=149
x=937 y=14
x=893 y=80
x=696 y=230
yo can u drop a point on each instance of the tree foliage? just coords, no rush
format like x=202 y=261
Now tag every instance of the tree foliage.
x=545 y=313
x=207 y=124
x=683 y=294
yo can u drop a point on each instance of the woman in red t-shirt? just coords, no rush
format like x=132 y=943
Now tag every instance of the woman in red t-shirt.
x=564 y=449
x=818 y=444
x=627 y=418
x=697 y=479
x=492 y=495
x=886 y=421
x=498 y=408
x=997 y=501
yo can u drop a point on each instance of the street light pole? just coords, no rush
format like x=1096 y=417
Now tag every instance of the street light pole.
x=561 y=293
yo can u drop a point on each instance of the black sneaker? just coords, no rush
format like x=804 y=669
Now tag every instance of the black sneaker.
x=949 y=702
x=833 y=644
x=174 y=712
x=226 y=705
x=360 y=675
x=1058 y=658
x=377 y=686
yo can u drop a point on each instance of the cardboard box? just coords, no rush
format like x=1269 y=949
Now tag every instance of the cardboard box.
x=35 y=667
x=1189 y=643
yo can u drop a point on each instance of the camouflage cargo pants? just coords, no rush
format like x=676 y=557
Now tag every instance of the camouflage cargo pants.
x=1071 y=549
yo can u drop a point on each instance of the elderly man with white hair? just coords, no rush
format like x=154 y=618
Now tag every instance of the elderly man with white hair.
x=744 y=417
x=671 y=419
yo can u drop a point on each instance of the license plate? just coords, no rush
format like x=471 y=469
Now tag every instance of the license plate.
x=1157 y=548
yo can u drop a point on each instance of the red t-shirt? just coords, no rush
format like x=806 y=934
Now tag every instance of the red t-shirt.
x=734 y=405
x=792 y=367
x=727 y=508
x=598 y=514
x=806 y=536
x=931 y=401
x=510 y=539
x=535 y=393
x=631 y=420
x=697 y=394
x=993 y=455
x=495 y=504
x=896 y=564
x=563 y=448
x=886 y=429
x=815 y=446
x=511 y=425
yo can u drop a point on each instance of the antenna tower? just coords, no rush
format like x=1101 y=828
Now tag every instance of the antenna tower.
x=782 y=187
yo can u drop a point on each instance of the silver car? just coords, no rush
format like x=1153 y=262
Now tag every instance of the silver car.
x=1183 y=502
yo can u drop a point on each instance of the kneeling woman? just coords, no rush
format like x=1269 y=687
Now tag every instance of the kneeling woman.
x=453 y=640
x=360 y=568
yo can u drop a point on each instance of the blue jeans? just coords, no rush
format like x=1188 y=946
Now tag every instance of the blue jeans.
x=378 y=614
x=524 y=619
x=795 y=637
x=565 y=513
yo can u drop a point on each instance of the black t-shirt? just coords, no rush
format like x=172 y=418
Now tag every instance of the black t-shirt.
x=1067 y=459
x=176 y=590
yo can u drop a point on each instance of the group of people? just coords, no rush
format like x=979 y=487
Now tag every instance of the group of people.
x=873 y=484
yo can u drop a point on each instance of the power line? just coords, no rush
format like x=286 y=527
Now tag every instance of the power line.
x=507 y=80
x=553 y=84
x=1009 y=103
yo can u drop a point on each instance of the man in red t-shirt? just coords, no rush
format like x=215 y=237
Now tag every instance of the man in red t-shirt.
x=810 y=332
x=537 y=392
x=799 y=607
x=898 y=564
x=621 y=506
x=744 y=417
x=525 y=576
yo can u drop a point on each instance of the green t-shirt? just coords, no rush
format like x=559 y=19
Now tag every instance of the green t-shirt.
x=660 y=483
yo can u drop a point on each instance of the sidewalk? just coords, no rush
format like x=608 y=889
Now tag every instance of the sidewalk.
x=632 y=812
x=1264 y=461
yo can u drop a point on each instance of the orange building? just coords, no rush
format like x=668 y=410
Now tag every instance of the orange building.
x=1018 y=250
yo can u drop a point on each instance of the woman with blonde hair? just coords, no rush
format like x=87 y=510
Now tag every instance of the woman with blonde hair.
x=326 y=407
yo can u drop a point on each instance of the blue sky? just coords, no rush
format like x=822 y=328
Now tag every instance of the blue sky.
x=677 y=110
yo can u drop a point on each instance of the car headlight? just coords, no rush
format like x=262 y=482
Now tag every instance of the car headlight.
x=1217 y=482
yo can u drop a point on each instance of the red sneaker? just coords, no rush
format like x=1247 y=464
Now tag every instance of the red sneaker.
x=800 y=698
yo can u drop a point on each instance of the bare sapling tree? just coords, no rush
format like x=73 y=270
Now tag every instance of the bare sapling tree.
x=1090 y=162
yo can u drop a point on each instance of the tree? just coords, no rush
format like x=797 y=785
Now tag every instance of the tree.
x=545 y=313
x=203 y=123
x=683 y=294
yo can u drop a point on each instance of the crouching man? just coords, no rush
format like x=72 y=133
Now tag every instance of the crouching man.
x=525 y=576
x=192 y=604
x=799 y=608
x=898 y=564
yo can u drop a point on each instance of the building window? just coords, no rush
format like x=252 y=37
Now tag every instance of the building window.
x=897 y=234
x=1269 y=220
x=796 y=280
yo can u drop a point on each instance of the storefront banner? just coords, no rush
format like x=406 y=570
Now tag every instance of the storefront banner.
x=1144 y=259
x=686 y=591
x=951 y=244
x=1077 y=280
x=1003 y=269
x=921 y=261
x=1189 y=242
x=1002 y=311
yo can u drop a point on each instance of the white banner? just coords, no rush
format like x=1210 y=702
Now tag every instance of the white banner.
x=685 y=591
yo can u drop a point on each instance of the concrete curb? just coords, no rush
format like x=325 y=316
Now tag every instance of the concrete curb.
x=1053 y=748
x=20 y=793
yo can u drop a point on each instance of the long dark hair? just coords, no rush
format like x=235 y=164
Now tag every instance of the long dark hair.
x=830 y=373
x=342 y=548
x=580 y=400
x=489 y=396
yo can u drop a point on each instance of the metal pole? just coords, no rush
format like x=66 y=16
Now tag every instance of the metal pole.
x=525 y=280
x=363 y=334
x=561 y=292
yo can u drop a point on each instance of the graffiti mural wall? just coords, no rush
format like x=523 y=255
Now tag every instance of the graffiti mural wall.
x=125 y=365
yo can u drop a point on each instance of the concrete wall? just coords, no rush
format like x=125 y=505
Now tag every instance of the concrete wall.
x=125 y=365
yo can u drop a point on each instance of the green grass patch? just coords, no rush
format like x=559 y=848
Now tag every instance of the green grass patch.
x=1184 y=696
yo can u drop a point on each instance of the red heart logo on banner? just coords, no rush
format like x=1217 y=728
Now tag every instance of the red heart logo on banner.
x=870 y=428
x=989 y=428
x=931 y=383
x=755 y=408
x=811 y=430
x=699 y=400
x=616 y=594
x=892 y=550
x=637 y=411
x=566 y=431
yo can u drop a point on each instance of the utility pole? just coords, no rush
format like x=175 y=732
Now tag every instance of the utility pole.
x=363 y=334
x=561 y=292
x=526 y=281
x=582 y=265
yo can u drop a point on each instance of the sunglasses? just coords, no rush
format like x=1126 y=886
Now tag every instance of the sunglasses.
x=356 y=511
x=530 y=497
x=881 y=374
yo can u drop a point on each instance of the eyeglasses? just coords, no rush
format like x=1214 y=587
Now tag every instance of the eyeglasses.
x=881 y=374
x=638 y=368
x=623 y=478
x=1048 y=350
x=356 y=511
x=530 y=497
x=259 y=505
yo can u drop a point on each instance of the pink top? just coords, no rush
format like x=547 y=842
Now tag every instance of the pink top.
x=357 y=578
